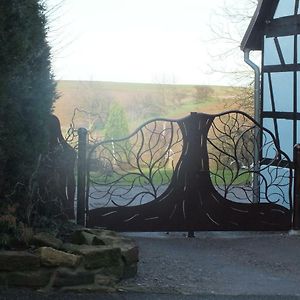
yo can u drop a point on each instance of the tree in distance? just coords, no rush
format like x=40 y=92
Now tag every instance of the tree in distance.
x=117 y=125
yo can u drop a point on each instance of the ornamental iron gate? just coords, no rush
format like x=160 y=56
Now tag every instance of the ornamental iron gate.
x=201 y=172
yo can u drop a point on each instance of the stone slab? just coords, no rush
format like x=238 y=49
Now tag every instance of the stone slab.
x=66 y=277
x=98 y=257
x=46 y=239
x=18 y=261
x=55 y=258
x=32 y=279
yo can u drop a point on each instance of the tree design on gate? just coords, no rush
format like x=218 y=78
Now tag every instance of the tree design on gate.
x=195 y=173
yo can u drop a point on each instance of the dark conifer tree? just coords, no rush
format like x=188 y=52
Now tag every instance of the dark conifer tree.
x=27 y=90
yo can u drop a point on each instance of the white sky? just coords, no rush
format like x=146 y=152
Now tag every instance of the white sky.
x=154 y=41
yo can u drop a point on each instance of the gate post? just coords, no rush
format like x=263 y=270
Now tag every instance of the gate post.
x=296 y=211
x=81 y=176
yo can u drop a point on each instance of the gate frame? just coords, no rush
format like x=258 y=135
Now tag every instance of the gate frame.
x=82 y=204
x=82 y=185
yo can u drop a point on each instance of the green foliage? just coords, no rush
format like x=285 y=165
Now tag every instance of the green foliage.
x=27 y=92
x=117 y=125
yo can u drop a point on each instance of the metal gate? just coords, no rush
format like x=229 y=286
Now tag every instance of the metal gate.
x=202 y=172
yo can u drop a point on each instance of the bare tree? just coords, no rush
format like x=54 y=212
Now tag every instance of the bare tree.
x=202 y=93
x=93 y=98
x=228 y=28
x=145 y=106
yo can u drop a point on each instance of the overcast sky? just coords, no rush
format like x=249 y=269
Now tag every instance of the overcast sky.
x=154 y=41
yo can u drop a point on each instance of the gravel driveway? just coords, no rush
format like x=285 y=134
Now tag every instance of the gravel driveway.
x=219 y=263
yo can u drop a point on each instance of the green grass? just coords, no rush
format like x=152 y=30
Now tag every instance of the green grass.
x=133 y=176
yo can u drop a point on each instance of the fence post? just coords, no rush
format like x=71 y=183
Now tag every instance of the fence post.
x=296 y=212
x=81 y=175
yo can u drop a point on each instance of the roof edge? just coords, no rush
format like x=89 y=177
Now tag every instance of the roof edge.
x=253 y=37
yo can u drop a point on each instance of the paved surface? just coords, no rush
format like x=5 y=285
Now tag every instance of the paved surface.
x=211 y=266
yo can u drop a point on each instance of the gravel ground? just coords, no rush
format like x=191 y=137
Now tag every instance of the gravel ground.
x=219 y=263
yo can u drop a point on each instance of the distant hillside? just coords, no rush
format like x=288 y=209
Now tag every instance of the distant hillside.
x=140 y=101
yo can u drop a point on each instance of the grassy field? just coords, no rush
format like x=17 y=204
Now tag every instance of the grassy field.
x=140 y=101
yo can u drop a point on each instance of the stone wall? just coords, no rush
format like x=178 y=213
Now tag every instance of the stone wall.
x=93 y=259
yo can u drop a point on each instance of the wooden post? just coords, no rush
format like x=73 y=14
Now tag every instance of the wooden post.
x=296 y=212
x=81 y=176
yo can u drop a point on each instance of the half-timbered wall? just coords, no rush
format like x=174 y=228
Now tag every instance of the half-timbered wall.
x=281 y=76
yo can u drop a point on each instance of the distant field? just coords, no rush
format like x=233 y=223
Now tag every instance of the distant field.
x=140 y=101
